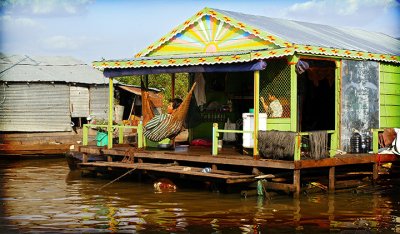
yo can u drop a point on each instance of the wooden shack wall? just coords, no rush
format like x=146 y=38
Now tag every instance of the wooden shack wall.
x=389 y=95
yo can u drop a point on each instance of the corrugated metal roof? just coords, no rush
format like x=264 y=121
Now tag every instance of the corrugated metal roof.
x=321 y=35
x=23 y=68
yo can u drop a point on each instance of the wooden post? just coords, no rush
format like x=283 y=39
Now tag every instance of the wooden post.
x=215 y=139
x=214 y=167
x=375 y=141
x=332 y=179
x=335 y=139
x=110 y=112
x=256 y=112
x=296 y=182
x=139 y=133
x=375 y=170
x=85 y=134
x=297 y=147
x=120 y=135
x=84 y=157
x=109 y=158
x=172 y=85
x=293 y=93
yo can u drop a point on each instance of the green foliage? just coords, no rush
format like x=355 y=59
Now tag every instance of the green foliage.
x=162 y=82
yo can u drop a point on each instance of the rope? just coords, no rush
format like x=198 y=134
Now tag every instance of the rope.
x=126 y=173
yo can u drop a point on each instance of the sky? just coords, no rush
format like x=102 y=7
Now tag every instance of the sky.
x=91 y=30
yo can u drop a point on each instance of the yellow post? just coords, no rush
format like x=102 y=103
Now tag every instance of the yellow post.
x=215 y=139
x=110 y=112
x=120 y=135
x=256 y=111
x=85 y=134
x=140 y=135
x=293 y=93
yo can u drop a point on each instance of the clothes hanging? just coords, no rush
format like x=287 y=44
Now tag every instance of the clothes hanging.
x=200 y=91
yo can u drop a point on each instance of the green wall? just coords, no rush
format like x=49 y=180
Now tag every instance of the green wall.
x=389 y=95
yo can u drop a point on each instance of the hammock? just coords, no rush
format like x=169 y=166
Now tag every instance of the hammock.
x=160 y=127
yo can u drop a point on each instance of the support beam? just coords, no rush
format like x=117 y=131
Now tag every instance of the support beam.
x=293 y=93
x=84 y=157
x=172 y=85
x=256 y=112
x=375 y=170
x=296 y=183
x=332 y=179
x=110 y=112
x=335 y=138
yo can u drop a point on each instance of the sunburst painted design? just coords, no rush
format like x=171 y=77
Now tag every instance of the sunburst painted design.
x=209 y=35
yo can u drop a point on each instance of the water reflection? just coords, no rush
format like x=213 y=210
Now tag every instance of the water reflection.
x=43 y=196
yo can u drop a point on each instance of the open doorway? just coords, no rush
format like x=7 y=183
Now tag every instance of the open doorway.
x=316 y=95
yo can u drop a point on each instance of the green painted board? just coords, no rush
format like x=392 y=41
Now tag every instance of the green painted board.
x=389 y=100
x=391 y=78
x=385 y=67
x=390 y=89
x=280 y=127
x=389 y=122
x=390 y=111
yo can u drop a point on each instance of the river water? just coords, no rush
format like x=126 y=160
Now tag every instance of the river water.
x=44 y=196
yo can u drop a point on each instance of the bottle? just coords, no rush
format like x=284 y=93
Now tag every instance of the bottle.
x=363 y=146
x=355 y=143
x=368 y=143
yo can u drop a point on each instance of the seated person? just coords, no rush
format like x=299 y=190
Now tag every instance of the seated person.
x=274 y=109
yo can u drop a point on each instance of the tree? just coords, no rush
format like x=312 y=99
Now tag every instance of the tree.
x=162 y=82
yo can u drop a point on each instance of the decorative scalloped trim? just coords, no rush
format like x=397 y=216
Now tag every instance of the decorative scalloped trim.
x=245 y=57
x=219 y=16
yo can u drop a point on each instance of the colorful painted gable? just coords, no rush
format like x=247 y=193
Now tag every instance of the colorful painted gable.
x=209 y=35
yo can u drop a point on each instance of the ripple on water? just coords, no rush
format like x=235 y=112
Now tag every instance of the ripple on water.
x=43 y=196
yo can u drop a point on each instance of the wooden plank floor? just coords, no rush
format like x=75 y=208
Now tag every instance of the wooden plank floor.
x=228 y=176
x=227 y=156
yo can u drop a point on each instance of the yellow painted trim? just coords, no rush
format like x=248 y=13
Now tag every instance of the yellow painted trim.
x=110 y=112
x=256 y=111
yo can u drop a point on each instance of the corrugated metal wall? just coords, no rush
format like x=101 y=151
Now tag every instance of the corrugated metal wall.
x=79 y=101
x=99 y=101
x=34 y=107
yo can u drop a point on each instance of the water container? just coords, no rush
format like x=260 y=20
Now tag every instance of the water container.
x=355 y=143
x=248 y=125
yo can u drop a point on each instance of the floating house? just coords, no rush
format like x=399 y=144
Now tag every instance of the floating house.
x=325 y=79
x=45 y=101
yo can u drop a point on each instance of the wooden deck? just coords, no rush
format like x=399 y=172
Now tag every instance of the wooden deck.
x=229 y=166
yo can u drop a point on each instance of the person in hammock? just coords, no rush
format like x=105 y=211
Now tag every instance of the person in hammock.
x=162 y=126
x=159 y=124
x=173 y=105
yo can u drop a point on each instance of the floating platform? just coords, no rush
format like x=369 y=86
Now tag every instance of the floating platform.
x=230 y=167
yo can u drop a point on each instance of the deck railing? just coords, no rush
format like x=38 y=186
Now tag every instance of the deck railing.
x=375 y=139
x=297 y=151
x=139 y=128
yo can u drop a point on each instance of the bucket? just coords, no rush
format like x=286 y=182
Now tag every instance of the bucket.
x=101 y=139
